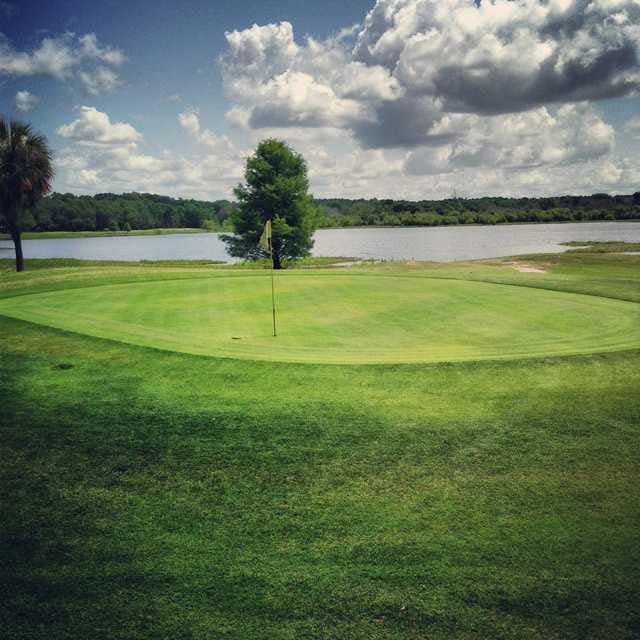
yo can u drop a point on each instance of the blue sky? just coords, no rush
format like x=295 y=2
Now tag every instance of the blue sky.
x=407 y=99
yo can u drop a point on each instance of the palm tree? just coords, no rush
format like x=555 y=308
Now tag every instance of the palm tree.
x=26 y=173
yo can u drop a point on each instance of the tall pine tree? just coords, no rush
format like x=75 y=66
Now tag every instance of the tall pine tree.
x=276 y=189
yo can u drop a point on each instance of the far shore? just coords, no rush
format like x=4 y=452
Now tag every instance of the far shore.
x=55 y=235
x=58 y=235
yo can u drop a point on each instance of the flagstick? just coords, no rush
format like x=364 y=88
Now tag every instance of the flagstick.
x=273 y=295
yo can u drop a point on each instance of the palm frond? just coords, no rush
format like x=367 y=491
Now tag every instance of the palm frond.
x=26 y=168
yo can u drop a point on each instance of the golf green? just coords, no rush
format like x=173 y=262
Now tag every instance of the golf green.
x=339 y=318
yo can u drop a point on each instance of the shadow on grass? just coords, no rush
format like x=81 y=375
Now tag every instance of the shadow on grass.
x=150 y=495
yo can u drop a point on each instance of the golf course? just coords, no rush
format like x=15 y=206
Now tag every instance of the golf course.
x=357 y=317
x=423 y=451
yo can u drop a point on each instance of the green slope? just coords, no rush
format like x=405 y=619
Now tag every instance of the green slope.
x=340 y=318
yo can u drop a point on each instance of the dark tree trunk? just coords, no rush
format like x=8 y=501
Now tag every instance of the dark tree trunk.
x=277 y=264
x=17 y=243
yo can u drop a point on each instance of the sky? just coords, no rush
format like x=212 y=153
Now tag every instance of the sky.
x=405 y=99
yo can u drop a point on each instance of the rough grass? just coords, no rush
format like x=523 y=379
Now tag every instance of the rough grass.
x=604 y=246
x=32 y=264
x=46 y=235
x=149 y=494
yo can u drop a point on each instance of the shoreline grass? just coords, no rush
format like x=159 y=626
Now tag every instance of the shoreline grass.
x=8 y=264
x=57 y=235
x=609 y=246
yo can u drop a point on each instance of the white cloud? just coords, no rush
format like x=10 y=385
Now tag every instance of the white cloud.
x=260 y=52
x=190 y=122
x=88 y=177
x=573 y=133
x=106 y=156
x=296 y=99
x=90 y=48
x=26 y=101
x=102 y=80
x=238 y=117
x=64 y=57
x=95 y=127
x=53 y=57
x=416 y=62
x=122 y=169
x=505 y=56
x=497 y=94
x=633 y=126
x=423 y=97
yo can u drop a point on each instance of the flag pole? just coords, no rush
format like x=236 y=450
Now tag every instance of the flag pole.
x=273 y=294
x=266 y=244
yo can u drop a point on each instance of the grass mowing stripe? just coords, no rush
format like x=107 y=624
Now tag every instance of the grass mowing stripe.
x=355 y=319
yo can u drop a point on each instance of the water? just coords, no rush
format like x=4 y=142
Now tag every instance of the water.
x=441 y=244
x=445 y=244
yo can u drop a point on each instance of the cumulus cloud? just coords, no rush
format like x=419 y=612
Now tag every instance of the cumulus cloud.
x=190 y=122
x=295 y=98
x=105 y=155
x=95 y=127
x=64 y=57
x=52 y=57
x=101 y=80
x=633 y=126
x=280 y=83
x=90 y=48
x=238 y=117
x=126 y=168
x=422 y=97
x=26 y=101
x=259 y=53
x=505 y=56
x=416 y=63
x=540 y=137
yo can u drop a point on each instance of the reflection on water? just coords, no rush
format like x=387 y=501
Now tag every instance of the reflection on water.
x=440 y=244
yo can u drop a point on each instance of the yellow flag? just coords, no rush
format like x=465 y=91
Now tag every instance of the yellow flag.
x=265 y=238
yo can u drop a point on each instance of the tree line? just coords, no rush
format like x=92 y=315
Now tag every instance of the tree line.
x=340 y=212
x=124 y=212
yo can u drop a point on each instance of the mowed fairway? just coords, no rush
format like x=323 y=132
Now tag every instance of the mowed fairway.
x=152 y=494
x=354 y=317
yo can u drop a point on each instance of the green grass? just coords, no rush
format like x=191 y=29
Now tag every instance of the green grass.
x=32 y=264
x=336 y=317
x=603 y=247
x=154 y=494
x=52 y=235
x=8 y=264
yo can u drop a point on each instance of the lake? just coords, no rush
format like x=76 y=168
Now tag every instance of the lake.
x=441 y=244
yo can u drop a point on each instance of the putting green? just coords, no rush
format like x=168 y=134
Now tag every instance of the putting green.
x=339 y=318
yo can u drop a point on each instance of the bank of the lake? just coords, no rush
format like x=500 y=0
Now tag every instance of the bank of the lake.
x=53 y=235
